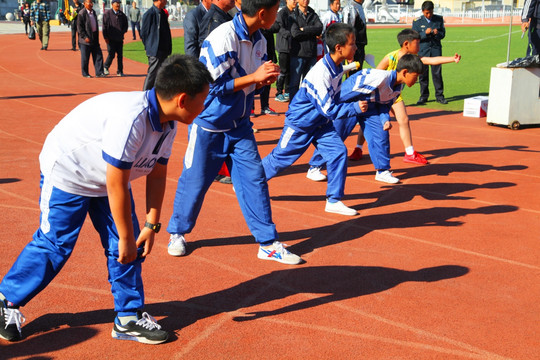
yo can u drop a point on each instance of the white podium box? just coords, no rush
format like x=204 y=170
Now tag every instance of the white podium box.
x=475 y=106
x=514 y=97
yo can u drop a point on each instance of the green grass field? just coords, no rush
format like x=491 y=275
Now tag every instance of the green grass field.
x=481 y=48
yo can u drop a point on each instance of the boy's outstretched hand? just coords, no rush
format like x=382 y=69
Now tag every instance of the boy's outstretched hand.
x=457 y=58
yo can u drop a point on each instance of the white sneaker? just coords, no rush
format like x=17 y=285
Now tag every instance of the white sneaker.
x=315 y=174
x=277 y=252
x=177 y=245
x=386 y=176
x=339 y=208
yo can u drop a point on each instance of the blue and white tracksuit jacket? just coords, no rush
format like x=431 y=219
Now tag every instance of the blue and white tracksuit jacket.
x=379 y=88
x=309 y=120
x=223 y=132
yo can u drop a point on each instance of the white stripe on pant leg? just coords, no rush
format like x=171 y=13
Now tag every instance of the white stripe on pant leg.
x=46 y=191
x=188 y=158
x=286 y=137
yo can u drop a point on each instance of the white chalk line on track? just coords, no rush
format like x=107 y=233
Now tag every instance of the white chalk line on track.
x=482 y=39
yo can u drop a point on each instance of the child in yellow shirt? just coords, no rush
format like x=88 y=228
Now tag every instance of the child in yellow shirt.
x=409 y=40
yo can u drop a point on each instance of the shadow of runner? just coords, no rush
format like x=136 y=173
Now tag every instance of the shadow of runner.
x=332 y=283
x=318 y=237
x=56 y=340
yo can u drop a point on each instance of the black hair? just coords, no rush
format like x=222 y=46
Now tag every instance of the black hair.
x=337 y=34
x=411 y=63
x=250 y=7
x=181 y=74
x=407 y=35
x=330 y=2
x=427 y=5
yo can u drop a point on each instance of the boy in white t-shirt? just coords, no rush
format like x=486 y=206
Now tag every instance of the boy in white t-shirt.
x=87 y=163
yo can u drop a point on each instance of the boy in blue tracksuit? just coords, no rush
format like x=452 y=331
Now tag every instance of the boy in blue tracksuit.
x=310 y=115
x=87 y=163
x=235 y=55
x=380 y=88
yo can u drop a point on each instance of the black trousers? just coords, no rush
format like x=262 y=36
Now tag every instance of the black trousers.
x=97 y=58
x=74 y=34
x=136 y=25
x=154 y=63
x=533 y=48
x=282 y=83
x=115 y=48
x=436 y=75
x=265 y=97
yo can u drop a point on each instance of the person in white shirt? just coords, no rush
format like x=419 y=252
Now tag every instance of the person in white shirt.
x=87 y=163
x=332 y=15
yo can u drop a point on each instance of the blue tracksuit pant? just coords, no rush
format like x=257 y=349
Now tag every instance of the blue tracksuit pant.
x=378 y=140
x=294 y=142
x=204 y=157
x=62 y=217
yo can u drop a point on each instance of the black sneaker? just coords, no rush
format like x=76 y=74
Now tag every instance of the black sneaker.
x=421 y=101
x=11 y=320
x=145 y=330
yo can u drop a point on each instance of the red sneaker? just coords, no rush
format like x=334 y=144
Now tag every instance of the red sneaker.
x=415 y=158
x=356 y=154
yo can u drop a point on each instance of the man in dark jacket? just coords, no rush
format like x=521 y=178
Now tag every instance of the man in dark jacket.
x=191 y=28
x=530 y=19
x=432 y=31
x=283 y=47
x=72 y=17
x=88 y=28
x=157 y=40
x=115 y=25
x=216 y=16
x=305 y=28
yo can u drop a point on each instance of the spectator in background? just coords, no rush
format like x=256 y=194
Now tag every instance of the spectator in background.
x=354 y=15
x=25 y=17
x=115 y=25
x=135 y=19
x=87 y=25
x=432 y=31
x=283 y=47
x=40 y=15
x=305 y=28
x=332 y=15
x=191 y=28
x=530 y=19
x=271 y=51
x=157 y=40
x=72 y=17
x=216 y=16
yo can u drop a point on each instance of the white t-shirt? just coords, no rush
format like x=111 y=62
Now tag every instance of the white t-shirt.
x=119 y=128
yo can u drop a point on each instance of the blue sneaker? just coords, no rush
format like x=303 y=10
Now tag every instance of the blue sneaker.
x=277 y=252
x=286 y=96
x=281 y=98
x=145 y=330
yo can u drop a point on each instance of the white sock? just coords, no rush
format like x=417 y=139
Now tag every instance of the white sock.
x=359 y=146
x=409 y=150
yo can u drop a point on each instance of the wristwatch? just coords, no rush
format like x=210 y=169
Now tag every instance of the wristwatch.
x=155 y=227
